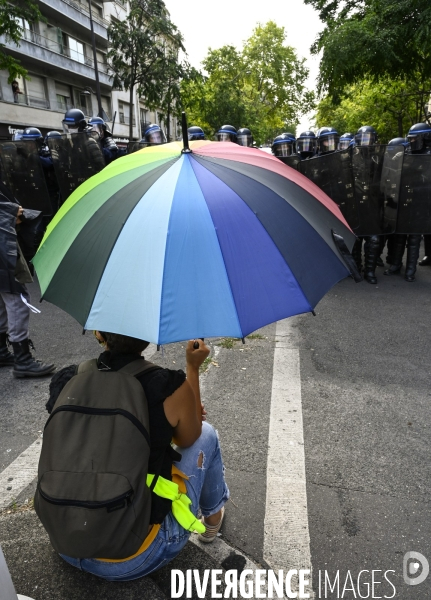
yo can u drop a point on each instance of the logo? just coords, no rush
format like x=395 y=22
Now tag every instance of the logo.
x=415 y=568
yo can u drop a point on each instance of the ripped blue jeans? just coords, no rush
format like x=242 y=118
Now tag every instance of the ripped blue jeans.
x=207 y=490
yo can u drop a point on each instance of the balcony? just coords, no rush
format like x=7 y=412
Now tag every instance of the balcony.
x=77 y=12
x=42 y=49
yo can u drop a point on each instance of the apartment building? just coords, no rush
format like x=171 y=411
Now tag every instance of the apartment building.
x=58 y=55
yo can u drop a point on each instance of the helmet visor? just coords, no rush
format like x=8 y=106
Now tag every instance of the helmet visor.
x=365 y=139
x=328 y=143
x=245 y=140
x=155 y=137
x=98 y=128
x=416 y=142
x=305 y=144
x=283 y=149
x=70 y=127
x=344 y=144
x=225 y=137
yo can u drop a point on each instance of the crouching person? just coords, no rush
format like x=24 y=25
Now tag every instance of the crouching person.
x=117 y=499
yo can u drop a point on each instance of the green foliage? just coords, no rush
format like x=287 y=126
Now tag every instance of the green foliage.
x=260 y=86
x=142 y=49
x=373 y=39
x=11 y=29
x=386 y=105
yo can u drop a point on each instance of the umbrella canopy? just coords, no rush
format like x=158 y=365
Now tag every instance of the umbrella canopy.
x=167 y=246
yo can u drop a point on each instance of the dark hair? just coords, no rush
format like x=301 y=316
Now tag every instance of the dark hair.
x=123 y=344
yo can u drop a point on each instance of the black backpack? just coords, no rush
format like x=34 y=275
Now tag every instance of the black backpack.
x=91 y=495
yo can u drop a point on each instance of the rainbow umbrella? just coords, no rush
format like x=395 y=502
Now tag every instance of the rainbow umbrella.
x=168 y=244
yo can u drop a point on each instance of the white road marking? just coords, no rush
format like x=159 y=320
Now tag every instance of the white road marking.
x=286 y=534
x=19 y=474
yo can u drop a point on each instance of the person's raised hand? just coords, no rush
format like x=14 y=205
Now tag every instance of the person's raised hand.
x=196 y=356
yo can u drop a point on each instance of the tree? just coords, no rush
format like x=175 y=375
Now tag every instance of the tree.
x=174 y=71
x=137 y=55
x=371 y=39
x=387 y=105
x=10 y=27
x=260 y=86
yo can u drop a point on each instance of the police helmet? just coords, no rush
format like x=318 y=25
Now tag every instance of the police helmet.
x=195 y=133
x=227 y=133
x=31 y=133
x=398 y=141
x=419 y=136
x=346 y=140
x=283 y=145
x=306 y=144
x=52 y=134
x=153 y=134
x=99 y=125
x=366 y=136
x=327 y=140
x=244 y=137
x=74 y=121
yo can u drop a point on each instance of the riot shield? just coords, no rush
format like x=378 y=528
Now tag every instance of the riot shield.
x=414 y=210
x=367 y=166
x=333 y=173
x=291 y=161
x=135 y=146
x=76 y=158
x=22 y=173
x=390 y=185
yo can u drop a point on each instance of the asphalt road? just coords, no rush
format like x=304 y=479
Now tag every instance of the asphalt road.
x=365 y=375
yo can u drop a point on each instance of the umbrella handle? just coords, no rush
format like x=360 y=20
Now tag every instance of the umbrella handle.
x=196 y=344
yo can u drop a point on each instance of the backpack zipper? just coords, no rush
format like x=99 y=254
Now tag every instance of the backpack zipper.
x=102 y=412
x=110 y=505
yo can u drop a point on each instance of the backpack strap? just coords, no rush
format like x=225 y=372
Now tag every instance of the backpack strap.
x=87 y=365
x=139 y=366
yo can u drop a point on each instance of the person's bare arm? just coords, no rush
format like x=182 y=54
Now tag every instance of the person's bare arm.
x=183 y=409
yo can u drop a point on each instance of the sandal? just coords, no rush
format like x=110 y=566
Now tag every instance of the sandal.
x=211 y=530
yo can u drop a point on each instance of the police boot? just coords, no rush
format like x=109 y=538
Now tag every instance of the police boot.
x=399 y=245
x=371 y=249
x=6 y=357
x=427 y=258
x=25 y=365
x=357 y=254
x=413 y=245
x=382 y=242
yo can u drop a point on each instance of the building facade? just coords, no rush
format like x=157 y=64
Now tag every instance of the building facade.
x=58 y=55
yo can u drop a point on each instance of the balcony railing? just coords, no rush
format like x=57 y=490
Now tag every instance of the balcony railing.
x=35 y=101
x=83 y=8
x=59 y=48
x=125 y=119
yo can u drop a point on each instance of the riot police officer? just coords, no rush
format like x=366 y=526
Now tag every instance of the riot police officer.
x=306 y=144
x=227 y=133
x=367 y=136
x=152 y=134
x=283 y=145
x=327 y=140
x=346 y=140
x=74 y=121
x=244 y=137
x=195 y=133
x=419 y=138
x=109 y=147
x=33 y=133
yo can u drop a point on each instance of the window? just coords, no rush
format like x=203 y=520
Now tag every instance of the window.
x=36 y=91
x=64 y=101
x=106 y=105
x=83 y=102
x=76 y=50
x=124 y=113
